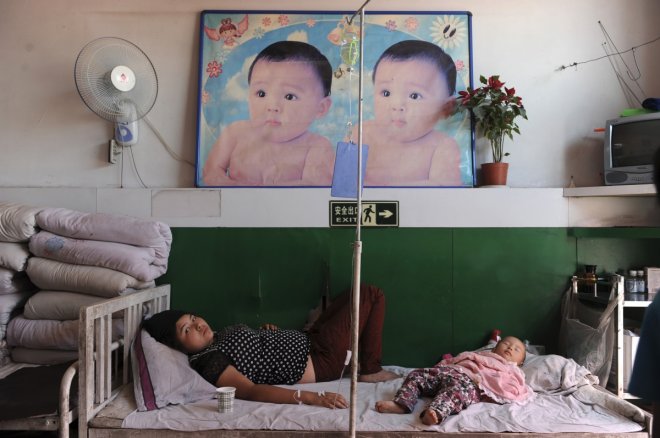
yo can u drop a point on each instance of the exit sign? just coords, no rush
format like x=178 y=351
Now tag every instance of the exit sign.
x=374 y=213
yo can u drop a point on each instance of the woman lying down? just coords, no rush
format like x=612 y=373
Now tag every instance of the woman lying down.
x=253 y=361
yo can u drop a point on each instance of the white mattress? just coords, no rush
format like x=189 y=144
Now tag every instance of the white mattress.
x=546 y=413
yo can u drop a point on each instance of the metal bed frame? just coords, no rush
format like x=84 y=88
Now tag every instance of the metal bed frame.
x=104 y=364
x=60 y=420
x=100 y=382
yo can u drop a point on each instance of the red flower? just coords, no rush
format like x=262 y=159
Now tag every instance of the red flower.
x=494 y=82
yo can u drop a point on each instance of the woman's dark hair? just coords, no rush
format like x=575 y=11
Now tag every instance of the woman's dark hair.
x=423 y=50
x=162 y=327
x=298 y=51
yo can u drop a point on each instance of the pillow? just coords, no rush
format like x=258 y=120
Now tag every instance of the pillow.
x=553 y=374
x=13 y=281
x=17 y=221
x=59 y=305
x=50 y=334
x=10 y=306
x=163 y=376
x=49 y=274
x=13 y=255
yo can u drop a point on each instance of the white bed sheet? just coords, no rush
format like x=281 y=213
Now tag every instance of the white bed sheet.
x=547 y=413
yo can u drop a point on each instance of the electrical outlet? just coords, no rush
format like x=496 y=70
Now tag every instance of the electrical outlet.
x=114 y=150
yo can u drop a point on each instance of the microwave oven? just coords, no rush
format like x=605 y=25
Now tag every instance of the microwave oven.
x=630 y=144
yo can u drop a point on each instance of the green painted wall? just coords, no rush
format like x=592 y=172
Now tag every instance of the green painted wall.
x=446 y=288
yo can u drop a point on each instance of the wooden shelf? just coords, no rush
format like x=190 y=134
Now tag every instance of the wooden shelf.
x=624 y=190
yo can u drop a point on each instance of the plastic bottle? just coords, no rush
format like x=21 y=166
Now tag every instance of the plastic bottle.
x=590 y=274
x=590 y=279
x=631 y=282
x=641 y=282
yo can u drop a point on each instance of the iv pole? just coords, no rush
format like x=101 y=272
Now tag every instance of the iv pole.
x=357 y=248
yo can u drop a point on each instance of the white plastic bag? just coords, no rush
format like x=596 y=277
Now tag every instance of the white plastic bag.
x=587 y=334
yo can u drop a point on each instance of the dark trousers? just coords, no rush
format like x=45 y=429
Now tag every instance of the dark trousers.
x=330 y=335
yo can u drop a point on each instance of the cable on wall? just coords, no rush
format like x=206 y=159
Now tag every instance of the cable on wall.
x=167 y=147
x=137 y=172
x=608 y=55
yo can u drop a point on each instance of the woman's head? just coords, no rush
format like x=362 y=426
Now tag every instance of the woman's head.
x=179 y=330
x=512 y=349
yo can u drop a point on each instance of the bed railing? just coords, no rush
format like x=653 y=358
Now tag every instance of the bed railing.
x=100 y=358
x=59 y=421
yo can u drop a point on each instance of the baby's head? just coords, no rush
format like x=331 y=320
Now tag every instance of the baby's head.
x=422 y=51
x=288 y=89
x=297 y=51
x=512 y=349
x=414 y=82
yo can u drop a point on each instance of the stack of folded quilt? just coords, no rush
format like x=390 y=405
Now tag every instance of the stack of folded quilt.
x=17 y=225
x=78 y=259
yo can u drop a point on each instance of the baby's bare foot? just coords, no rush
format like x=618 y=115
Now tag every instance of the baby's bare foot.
x=380 y=376
x=429 y=417
x=389 y=407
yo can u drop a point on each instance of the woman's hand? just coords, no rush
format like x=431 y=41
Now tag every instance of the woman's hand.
x=269 y=326
x=246 y=390
x=330 y=400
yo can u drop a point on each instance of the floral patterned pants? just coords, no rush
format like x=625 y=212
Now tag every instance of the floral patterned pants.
x=451 y=390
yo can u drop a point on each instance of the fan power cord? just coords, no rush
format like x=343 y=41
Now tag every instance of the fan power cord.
x=167 y=147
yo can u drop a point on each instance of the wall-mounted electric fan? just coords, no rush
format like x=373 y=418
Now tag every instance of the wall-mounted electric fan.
x=118 y=82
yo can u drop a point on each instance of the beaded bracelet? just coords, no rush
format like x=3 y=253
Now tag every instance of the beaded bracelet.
x=296 y=397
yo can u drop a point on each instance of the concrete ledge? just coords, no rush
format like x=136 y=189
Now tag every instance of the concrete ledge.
x=308 y=207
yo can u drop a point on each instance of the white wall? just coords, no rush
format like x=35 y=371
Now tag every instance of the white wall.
x=50 y=139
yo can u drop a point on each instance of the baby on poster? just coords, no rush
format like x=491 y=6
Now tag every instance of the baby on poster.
x=289 y=86
x=414 y=83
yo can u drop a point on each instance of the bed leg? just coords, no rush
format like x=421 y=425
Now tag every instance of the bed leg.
x=65 y=396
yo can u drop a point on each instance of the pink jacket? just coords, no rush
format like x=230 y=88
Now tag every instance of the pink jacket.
x=499 y=379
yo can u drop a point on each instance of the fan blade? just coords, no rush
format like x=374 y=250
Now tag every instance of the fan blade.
x=112 y=71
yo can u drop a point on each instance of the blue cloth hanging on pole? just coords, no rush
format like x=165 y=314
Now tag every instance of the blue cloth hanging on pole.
x=345 y=175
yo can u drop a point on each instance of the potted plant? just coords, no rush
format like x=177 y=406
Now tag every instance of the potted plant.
x=495 y=109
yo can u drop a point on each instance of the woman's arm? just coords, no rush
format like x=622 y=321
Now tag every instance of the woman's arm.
x=247 y=390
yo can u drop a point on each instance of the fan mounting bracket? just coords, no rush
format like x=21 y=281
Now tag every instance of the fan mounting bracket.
x=114 y=150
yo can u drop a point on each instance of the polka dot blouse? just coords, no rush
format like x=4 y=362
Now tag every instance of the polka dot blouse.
x=274 y=357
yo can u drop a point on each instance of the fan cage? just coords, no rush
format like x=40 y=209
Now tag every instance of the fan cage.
x=92 y=76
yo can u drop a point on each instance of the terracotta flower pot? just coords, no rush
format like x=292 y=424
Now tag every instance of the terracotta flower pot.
x=494 y=174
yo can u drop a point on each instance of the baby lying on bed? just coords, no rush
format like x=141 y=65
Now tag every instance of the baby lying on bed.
x=458 y=382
